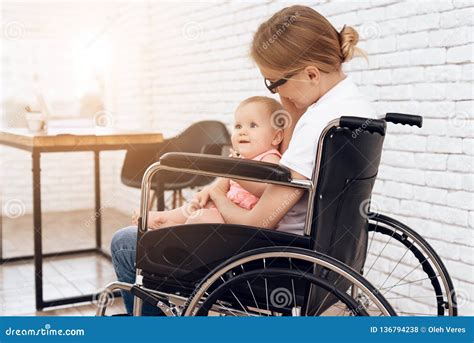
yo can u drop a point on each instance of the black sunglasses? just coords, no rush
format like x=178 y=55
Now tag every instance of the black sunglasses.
x=272 y=85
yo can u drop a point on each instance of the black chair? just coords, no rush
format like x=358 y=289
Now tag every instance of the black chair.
x=238 y=270
x=205 y=137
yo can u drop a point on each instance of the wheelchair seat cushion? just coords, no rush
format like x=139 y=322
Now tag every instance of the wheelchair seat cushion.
x=178 y=257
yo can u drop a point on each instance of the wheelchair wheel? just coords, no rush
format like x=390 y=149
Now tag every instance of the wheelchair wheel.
x=282 y=281
x=406 y=270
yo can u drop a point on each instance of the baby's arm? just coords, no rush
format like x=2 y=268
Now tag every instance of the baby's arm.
x=257 y=188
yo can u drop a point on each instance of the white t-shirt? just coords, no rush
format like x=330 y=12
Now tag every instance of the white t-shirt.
x=344 y=99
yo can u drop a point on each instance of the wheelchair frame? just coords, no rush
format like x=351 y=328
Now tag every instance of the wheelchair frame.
x=174 y=305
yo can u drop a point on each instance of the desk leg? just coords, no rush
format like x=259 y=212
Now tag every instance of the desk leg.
x=160 y=197
x=37 y=230
x=98 y=209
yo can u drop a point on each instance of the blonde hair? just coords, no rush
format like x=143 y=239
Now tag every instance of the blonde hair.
x=298 y=36
x=272 y=104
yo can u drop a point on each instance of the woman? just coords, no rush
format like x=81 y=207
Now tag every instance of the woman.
x=300 y=55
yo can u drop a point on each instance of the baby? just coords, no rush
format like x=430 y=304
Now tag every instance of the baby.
x=256 y=136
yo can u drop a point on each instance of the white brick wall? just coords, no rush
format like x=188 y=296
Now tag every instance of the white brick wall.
x=176 y=63
x=45 y=38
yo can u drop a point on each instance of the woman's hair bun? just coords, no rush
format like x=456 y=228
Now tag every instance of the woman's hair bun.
x=285 y=43
x=349 y=39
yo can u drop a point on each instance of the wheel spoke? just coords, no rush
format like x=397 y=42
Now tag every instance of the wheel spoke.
x=228 y=309
x=251 y=290
x=373 y=234
x=293 y=286
x=405 y=276
x=420 y=297
x=327 y=295
x=414 y=313
x=341 y=312
x=243 y=307
x=222 y=278
x=407 y=283
x=401 y=258
x=380 y=254
x=342 y=309
x=266 y=287
x=373 y=308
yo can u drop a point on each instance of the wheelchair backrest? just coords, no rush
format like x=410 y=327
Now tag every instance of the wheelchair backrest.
x=349 y=157
x=347 y=162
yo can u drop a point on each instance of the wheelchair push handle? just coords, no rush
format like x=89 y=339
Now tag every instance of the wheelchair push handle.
x=404 y=119
x=358 y=124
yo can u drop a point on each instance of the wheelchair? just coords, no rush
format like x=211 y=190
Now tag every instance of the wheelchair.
x=350 y=261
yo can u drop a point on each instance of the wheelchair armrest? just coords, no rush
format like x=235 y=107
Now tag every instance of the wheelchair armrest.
x=226 y=166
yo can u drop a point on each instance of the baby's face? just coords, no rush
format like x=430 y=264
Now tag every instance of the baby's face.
x=253 y=131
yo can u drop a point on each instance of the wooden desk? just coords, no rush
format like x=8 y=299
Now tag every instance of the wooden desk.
x=67 y=140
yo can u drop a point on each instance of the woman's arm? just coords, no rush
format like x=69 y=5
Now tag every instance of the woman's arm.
x=275 y=202
x=257 y=188
x=202 y=197
x=222 y=183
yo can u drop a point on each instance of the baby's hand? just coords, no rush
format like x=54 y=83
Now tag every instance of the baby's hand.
x=201 y=198
x=234 y=154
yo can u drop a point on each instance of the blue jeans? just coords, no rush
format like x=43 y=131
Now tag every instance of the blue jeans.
x=123 y=249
